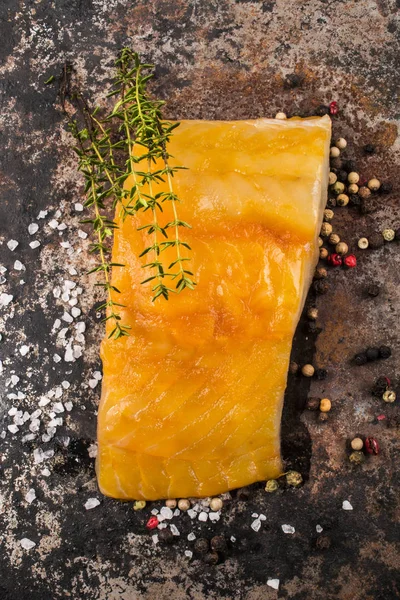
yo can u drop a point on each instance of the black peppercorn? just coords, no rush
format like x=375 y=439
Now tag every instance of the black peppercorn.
x=369 y=149
x=218 y=543
x=349 y=166
x=294 y=80
x=320 y=286
x=368 y=206
x=201 y=546
x=375 y=240
x=323 y=542
x=354 y=200
x=360 y=358
x=372 y=353
x=373 y=290
x=322 y=110
x=312 y=403
x=336 y=163
x=385 y=352
x=165 y=536
x=211 y=558
x=321 y=374
x=386 y=187
x=243 y=494
x=342 y=175
x=380 y=386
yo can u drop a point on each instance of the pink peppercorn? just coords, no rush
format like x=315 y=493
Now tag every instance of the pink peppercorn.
x=333 y=108
x=371 y=445
x=350 y=261
x=335 y=260
x=152 y=523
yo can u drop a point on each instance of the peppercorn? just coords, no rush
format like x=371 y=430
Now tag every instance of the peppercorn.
x=385 y=352
x=323 y=542
x=380 y=386
x=397 y=235
x=354 y=200
x=320 y=287
x=201 y=546
x=312 y=403
x=280 y=116
x=211 y=558
x=374 y=184
x=218 y=543
x=328 y=215
x=323 y=253
x=320 y=273
x=216 y=504
x=388 y=235
x=334 y=152
x=184 y=504
x=372 y=353
x=325 y=405
x=341 y=143
x=364 y=192
x=271 y=486
x=334 y=239
x=368 y=206
x=320 y=242
x=342 y=175
x=350 y=261
x=312 y=313
x=357 y=457
x=389 y=396
x=165 y=536
x=293 y=80
x=323 y=417
x=369 y=149
x=326 y=229
x=360 y=359
x=373 y=290
x=349 y=166
x=371 y=445
x=139 y=505
x=363 y=243
x=338 y=188
x=294 y=478
x=293 y=368
x=336 y=163
x=307 y=370
x=386 y=187
x=333 y=107
x=353 y=177
x=322 y=110
x=342 y=199
x=171 y=503
x=335 y=260
x=152 y=523
x=375 y=240
x=357 y=444
x=332 y=178
x=321 y=374
x=353 y=188
x=243 y=494
x=341 y=248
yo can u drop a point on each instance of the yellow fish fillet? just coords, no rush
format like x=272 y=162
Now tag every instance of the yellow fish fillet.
x=191 y=401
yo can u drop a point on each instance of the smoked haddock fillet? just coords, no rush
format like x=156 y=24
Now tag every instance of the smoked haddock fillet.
x=191 y=401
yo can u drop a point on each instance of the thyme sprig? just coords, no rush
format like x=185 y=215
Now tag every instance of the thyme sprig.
x=130 y=141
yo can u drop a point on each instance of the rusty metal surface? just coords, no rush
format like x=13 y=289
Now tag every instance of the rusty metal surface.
x=215 y=60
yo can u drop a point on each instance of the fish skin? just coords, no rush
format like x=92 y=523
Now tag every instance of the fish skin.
x=191 y=401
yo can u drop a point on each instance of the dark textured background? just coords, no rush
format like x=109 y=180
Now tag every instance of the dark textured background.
x=215 y=60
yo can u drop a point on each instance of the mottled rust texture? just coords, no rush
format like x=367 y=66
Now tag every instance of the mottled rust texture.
x=215 y=60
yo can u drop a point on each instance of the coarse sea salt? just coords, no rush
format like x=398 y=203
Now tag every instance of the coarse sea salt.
x=34 y=244
x=53 y=223
x=318 y=528
x=18 y=266
x=75 y=311
x=346 y=505
x=192 y=513
x=45 y=472
x=24 y=350
x=288 y=529
x=12 y=244
x=57 y=358
x=188 y=553
x=40 y=455
x=13 y=428
x=155 y=538
x=5 y=299
x=214 y=516
x=82 y=234
x=97 y=375
x=27 y=544
x=93 y=383
x=42 y=214
x=256 y=524
x=33 y=228
x=174 y=530
x=166 y=512
x=91 y=503
x=274 y=583
x=65 y=384
x=191 y=536
x=68 y=406
x=78 y=207
x=30 y=496
x=203 y=516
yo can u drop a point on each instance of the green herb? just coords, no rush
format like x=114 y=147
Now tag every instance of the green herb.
x=49 y=80
x=106 y=163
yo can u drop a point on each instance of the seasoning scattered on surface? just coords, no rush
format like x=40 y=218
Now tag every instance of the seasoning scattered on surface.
x=91 y=503
x=346 y=505
x=288 y=529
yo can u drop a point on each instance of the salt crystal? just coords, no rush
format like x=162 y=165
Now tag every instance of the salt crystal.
x=13 y=411
x=65 y=245
x=68 y=406
x=80 y=338
x=30 y=496
x=203 y=516
x=21 y=396
x=53 y=223
x=67 y=317
x=155 y=538
x=57 y=213
x=46 y=438
x=24 y=350
x=18 y=266
x=40 y=455
x=65 y=384
x=93 y=383
x=14 y=379
x=57 y=358
x=65 y=296
x=26 y=416
x=45 y=472
x=319 y=528
x=5 y=299
x=75 y=311
x=72 y=271
x=162 y=526
x=91 y=503
x=81 y=327
x=274 y=583
x=254 y=515
x=288 y=529
x=12 y=244
x=188 y=553
x=92 y=450
x=154 y=511
x=33 y=228
x=36 y=414
x=346 y=505
x=27 y=544
x=56 y=292
x=166 y=512
x=69 y=355
x=256 y=524
x=262 y=517
x=58 y=407
x=77 y=351
x=73 y=302
x=82 y=234
x=192 y=513
x=97 y=375
x=78 y=207
x=177 y=512
x=68 y=284
x=58 y=392
x=174 y=530
x=34 y=244
x=160 y=518
x=233 y=539
x=42 y=214
x=61 y=227
x=191 y=537
x=34 y=425
x=13 y=428
x=28 y=437
x=44 y=401
x=214 y=516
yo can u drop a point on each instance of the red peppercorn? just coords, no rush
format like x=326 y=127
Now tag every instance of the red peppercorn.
x=335 y=260
x=152 y=523
x=371 y=445
x=381 y=417
x=333 y=108
x=350 y=261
